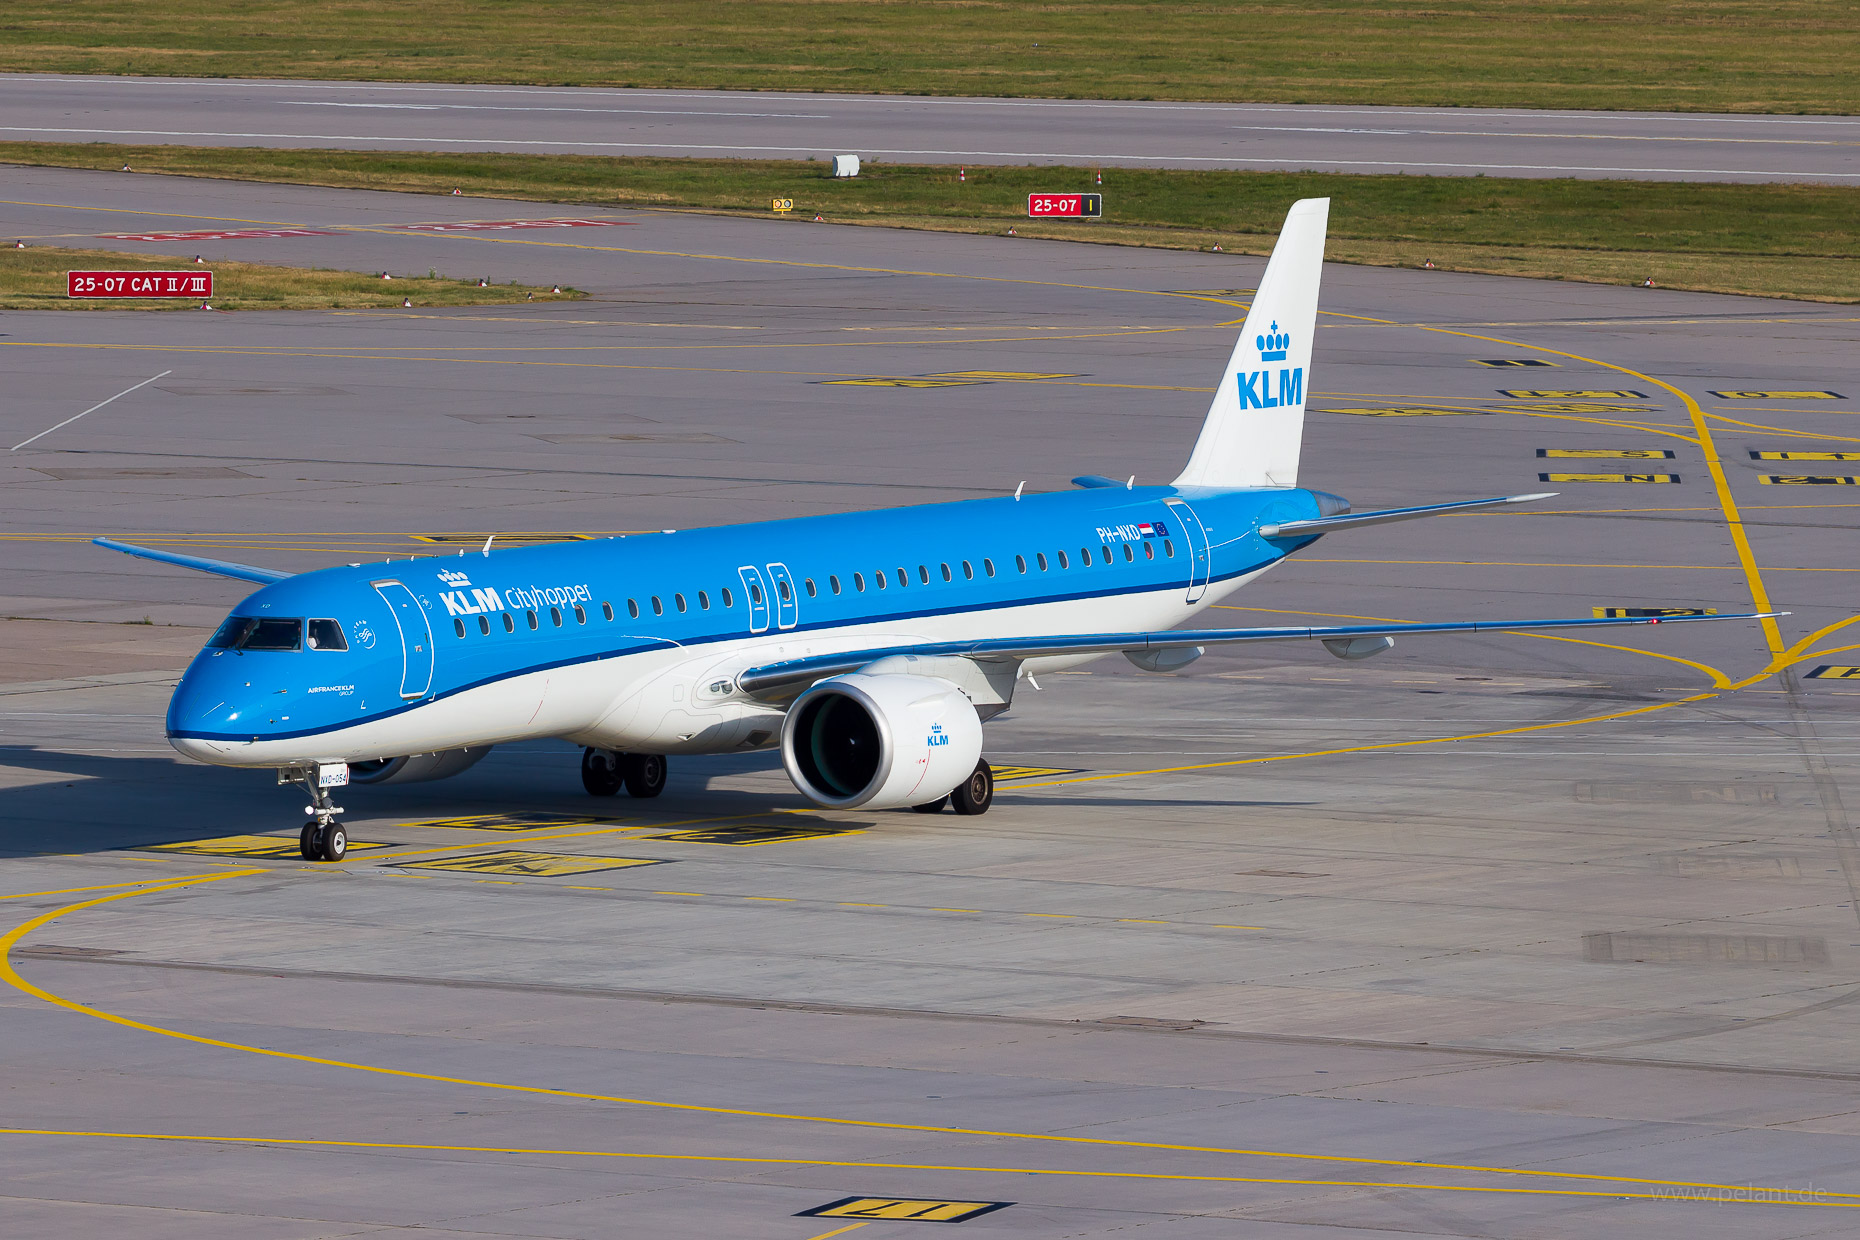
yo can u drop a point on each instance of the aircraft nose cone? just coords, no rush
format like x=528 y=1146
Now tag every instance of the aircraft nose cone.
x=209 y=706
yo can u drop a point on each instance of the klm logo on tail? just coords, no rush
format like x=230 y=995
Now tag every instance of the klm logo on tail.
x=1256 y=385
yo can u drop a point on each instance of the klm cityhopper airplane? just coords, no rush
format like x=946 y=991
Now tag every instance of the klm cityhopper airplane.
x=869 y=647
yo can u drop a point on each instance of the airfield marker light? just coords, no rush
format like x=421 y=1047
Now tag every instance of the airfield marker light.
x=818 y=219
x=457 y=192
x=1098 y=175
x=483 y=283
x=531 y=297
x=386 y=276
x=19 y=245
x=1012 y=233
x=406 y=303
x=1217 y=248
x=962 y=174
x=555 y=288
x=1647 y=283
x=199 y=259
x=125 y=167
x=1428 y=265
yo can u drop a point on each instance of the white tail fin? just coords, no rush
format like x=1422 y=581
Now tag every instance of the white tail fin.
x=1257 y=420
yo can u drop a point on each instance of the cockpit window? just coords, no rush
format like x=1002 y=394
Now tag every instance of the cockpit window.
x=325 y=635
x=262 y=633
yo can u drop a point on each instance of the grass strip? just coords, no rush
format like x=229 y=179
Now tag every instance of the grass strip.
x=1796 y=241
x=1663 y=55
x=34 y=279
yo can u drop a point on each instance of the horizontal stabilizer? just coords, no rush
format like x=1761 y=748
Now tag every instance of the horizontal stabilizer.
x=1324 y=525
x=775 y=680
x=222 y=568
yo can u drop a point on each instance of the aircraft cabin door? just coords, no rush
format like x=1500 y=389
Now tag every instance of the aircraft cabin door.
x=758 y=597
x=787 y=608
x=416 y=638
x=1195 y=540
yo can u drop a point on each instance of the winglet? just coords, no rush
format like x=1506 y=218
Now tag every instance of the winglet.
x=200 y=564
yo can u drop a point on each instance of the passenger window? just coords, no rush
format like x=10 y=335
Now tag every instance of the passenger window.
x=811 y=592
x=658 y=608
x=325 y=635
x=923 y=574
x=781 y=588
x=1106 y=550
x=1063 y=562
x=1129 y=555
x=703 y=601
x=632 y=609
x=859 y=582
x=833 y=584
x=1020 y=562
x=968 y=571
x=725 y=595
x=679 y=601
x=581 y=617
x=484 y=625
x=1084 y=557
x=988 y=566
x=1169 y=548
x=904 y=578
x=510 y=625
x=458 y=626
x=555 y=616
x=531 y=617
x=946 y=576
x=1149 y=551
x=878 y=579
x=755 y=592
x=607 y=610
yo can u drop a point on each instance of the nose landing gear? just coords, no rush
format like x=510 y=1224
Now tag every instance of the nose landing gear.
x=322 y=838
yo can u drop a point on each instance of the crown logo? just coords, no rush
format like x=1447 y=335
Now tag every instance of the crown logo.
x=455 y=579
x=1273 y=347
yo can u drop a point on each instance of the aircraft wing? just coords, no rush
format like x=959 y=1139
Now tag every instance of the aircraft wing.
x=775 y=679
x=223 y=568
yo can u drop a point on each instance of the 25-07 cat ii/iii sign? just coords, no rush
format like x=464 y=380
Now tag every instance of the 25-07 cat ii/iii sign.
x=194 y=283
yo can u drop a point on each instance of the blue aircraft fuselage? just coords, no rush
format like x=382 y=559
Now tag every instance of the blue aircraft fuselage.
x=412 y=635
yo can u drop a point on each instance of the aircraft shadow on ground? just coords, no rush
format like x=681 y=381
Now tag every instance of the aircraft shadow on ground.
x=89 y=803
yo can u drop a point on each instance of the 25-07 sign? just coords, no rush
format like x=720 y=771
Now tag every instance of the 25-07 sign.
x=1066 y=206
x=194 y=283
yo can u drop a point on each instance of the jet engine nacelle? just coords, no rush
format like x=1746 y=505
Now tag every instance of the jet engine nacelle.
x=415 y=768
x=864 y=741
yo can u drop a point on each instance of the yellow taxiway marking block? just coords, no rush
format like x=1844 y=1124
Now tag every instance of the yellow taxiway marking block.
x=1806 y=480
x=1805 y=456
x=1629 y=454
x=1003 y=774
x=1570 y=394
x=257 y=847
x=1608 y=477
x=531 y=864
x=1509 y=361
x=1823 y=395
x=916 y=1210
x=1622 y=613
x=513 y=822
x=1826 y=672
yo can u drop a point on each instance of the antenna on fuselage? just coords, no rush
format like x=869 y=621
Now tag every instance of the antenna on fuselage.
x=487 y=545
x=1017 y=490
x=1132 y=484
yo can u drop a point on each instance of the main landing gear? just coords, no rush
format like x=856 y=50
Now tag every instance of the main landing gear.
x=972 y=796
x=604 y=773
x=322 y=838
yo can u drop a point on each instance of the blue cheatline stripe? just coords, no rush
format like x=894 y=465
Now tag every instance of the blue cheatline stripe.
x=696 y=643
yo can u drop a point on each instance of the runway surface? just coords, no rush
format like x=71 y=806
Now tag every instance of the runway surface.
x=922 y=130
x=1566 y=928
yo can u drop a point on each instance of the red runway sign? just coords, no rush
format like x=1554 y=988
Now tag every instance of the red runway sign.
x=194 y=283
x=496 y=225
x=229 y=234
x=1067 y=206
